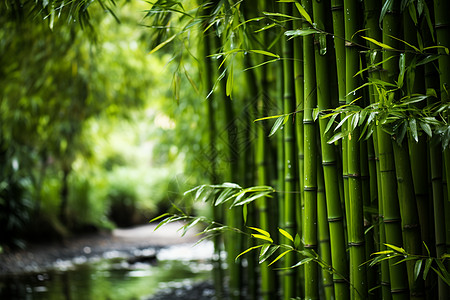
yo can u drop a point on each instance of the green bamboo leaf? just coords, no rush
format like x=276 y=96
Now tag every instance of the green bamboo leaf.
x=262 y=237
x=267 y=252
x=159 y=217
x=266 y=27
x=427 y=267
x=384 y=252
x=413 y=129
x=303 y=12
x=404 y=42
x=428 y=59
x=248 y=250
x=431 y=92
x=336 y=137
x=342 y=122
x=286 y=234
x=302 y=262
x=297 y=240
x=330 y=122
x=438 y=47
x=268 y=118
x=262 y=231
x=426 y=128
x=442 y=276
x=402 y=67
x=384 y=46
x=417 y=268
x=265 y=53
x=315 y=113
x=225 y=196
x=162 y=44
x=229 y=87
x=301 y=32
x=387 y=4
x=277 y=15
x=252 y=198
x=278 y=123
x=445 y=275
x=280 y=256
x=355 y=121
x=245 y=213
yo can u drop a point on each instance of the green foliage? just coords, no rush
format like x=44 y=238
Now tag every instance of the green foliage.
x=422 y=264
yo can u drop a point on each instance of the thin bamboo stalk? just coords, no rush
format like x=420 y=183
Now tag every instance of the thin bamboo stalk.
x=310 y=167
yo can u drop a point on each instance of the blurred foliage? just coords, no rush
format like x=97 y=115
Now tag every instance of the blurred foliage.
x=87 y=121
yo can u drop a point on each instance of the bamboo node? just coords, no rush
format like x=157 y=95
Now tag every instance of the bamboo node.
x=310 y=246
x=399 y=291
x=392 y=220
x=354 y=175
x=356 y=244
x=336 y=219
x=410 y=226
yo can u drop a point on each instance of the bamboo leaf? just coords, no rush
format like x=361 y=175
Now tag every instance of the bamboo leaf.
x=330 y=122
x=396 y=249
x=262 y=231
x=387 y=4
x=267 y=118
x=426 y=128
x=426 y=247
x=315 y=113
x=404 y=42
x=159 y=217
x=428 y=59
x=342 y=121
x=252 y=198
x=427 y=267
x=248 y=250
x=402 y=67
x=229 y=87
x=162 y=44
x=278 y=123
x=417 y=268
x=301 y=32
x=286 y=234
x=297 y=240
x=280 y=256
x=442 y=276
x=336 y=137
x=443 y=270
x=264 y=255
x=245 y=213
x=262 y=237
x=384 y=46
x=303 y=12
x=265 y=53
x=303 y=261
x=413 y=129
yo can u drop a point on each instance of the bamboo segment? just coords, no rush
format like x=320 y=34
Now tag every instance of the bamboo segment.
x=329 y=164
x=310 y=167
x=290 y=156
x=355 y=222
x=441 y=8
x=323 y=234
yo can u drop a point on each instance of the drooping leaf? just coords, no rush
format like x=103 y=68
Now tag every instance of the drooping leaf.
x=262 y=237
x=278 y=123
x=268 y=252
x=262 y=231
x=384 y=46
x=162 y=44
x=247 y=250
x=413 y=129
x=336 y=137
x=280 y=256
x=417 y=268
x=428 y=263
x=286 y=234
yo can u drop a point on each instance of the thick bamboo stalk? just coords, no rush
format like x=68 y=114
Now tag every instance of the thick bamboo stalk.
x=329 y=162
x=392 y=218
x=441 y=8
x=355 y=222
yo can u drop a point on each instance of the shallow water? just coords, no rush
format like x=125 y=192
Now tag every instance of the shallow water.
x=112 y=275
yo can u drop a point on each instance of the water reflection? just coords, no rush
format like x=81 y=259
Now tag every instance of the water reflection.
x=112 y=277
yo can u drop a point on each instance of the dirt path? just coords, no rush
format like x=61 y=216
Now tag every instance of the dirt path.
x=126 y=241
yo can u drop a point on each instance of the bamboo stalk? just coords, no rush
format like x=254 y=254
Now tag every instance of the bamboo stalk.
x=355 y=222
x=329 y=163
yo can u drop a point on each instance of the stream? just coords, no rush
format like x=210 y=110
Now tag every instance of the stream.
x=139 y=273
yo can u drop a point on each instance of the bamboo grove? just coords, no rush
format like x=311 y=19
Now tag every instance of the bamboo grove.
x=328 y=123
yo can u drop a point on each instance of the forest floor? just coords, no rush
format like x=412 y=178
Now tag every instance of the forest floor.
x=44 y=255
